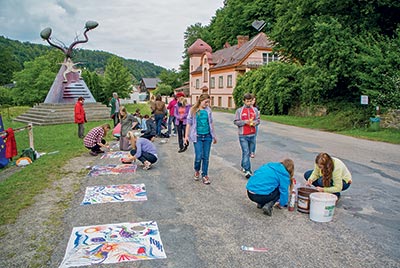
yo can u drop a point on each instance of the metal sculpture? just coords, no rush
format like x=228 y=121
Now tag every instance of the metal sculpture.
x=68 y=84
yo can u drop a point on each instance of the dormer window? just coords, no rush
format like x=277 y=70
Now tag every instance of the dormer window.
x=205 y=60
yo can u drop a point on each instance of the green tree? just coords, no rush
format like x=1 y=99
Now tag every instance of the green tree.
x=34 y=81
x=8 y=65
x=117 y=78
x=95 y=84
x=163 y=90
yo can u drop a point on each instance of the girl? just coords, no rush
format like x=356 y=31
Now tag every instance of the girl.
x=94 y=139
x=200 y=131
x=181 y=110
x=330 y=175
x=270 y=183
x=142 y=149
x=128 y=122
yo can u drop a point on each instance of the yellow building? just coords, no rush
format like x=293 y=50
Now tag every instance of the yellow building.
x=216 y=72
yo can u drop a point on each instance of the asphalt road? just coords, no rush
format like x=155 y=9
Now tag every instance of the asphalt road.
x=205 y=225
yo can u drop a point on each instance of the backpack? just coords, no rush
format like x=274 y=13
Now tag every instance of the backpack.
x=30 y=153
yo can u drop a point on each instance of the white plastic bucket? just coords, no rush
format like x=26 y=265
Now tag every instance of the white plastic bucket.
x=322 y=206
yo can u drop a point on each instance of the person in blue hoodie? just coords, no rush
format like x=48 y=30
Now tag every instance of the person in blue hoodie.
x=270 y=183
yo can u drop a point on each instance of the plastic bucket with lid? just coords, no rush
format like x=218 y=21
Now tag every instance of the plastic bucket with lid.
x=322 y=206
x=303 y=200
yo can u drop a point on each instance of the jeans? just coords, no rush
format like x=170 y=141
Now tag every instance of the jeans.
x=319 y=182
x=145 y=156
x=158 y=118
x=81 y=130
x=247 y=142
x=96 y=147
x=202 y=153
x=171 y=120
x=116 y=118
x=264 y=199
x=181 y=134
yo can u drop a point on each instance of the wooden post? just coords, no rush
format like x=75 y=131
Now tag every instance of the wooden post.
x=30 y=134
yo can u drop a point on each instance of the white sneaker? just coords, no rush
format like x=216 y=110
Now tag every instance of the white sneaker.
x=248 y=174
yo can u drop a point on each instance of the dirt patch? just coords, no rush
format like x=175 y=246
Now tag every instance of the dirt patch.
x=30 y=240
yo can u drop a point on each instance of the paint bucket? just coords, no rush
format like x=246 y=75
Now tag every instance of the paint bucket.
x=303 y=200
x=322 y=206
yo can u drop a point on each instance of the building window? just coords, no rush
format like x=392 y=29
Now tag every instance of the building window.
x=205 y=79
x=197 y=83
x=212 y=82
x=269 y=57
x=229 y=81
x=220 y=81
x=205 y=60
x=229 y=102
x=212 y=101
x=219 y=101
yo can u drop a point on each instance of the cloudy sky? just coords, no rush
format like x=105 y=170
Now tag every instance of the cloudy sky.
x=150 y=30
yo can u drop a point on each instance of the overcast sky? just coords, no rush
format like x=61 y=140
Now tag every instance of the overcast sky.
x=149 y=30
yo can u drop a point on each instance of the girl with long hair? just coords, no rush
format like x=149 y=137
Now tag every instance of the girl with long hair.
x=94 y=140
x=128 y=122
x=200 y=131
x=330 y=175
x=181 y=110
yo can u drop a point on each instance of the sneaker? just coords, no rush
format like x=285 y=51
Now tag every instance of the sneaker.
x=147 y=165
x=267 y=209
x=252 y=155
x=93 y=153
x=206 y=180
x=247 y=174
x=181 y=150
x=243 y=170
x=197 y=175
x=259 y=206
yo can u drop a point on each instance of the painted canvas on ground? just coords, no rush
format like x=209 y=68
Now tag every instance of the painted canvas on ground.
x=114 y=193
x=118 y=154
x=101 y=170
x=113 y=243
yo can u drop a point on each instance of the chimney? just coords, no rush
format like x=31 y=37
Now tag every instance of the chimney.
x=242 y=39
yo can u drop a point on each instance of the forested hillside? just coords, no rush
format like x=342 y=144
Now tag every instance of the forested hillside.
x=13 y=54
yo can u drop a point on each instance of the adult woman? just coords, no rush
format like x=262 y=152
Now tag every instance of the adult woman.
x=270 y=183
x=159 y=110
x=128 y=122
x=330 y=175
x=142 y=149
x=200 y=131
x=181 y=110
x=94 y=139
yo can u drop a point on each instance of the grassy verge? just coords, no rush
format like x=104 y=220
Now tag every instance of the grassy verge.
x=323 y=123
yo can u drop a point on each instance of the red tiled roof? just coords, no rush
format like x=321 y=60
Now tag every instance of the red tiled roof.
x=233 y=55
x=199 y=47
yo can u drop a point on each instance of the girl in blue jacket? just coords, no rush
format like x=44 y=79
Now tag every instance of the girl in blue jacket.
x=270 y=183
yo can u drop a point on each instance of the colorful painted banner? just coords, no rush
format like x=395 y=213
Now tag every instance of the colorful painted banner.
x=118 y=154
x=113 y=243
x=112 y=169
x=114 y=193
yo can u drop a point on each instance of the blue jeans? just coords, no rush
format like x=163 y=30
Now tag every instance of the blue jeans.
x=171 y=120
x=202 y=153
x=264 y=199
x=319 y=182
x=158 y=118
x=247 y=142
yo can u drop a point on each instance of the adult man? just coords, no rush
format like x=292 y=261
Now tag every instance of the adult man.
x=247 y=118
x=114 y=113
x=80 y=117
